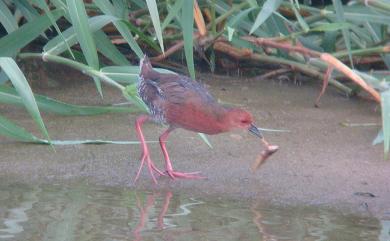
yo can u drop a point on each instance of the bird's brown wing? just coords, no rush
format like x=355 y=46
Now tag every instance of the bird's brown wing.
x=187 y=103
x=179 y=89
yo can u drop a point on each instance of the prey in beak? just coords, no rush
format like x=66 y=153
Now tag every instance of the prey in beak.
x=270 y=149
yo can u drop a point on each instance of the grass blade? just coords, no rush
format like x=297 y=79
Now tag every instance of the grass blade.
x=338 y=6
x=326 y=27
x=121 y=74
x=268 y=8
x=386 y=59
x=379 y=138
x=60 y=4
x=7 y=19
x=109 y=50
x=121 y=8
x=142 y=36
x=83 y=31
x=231 y=25
x=57 y=46
x=205 y=139
x=11 y=43
x=130 y=93
x=127 y=74
x=364 y=17
x=237 y=19
x=152 y=6
x=173 y=12
x=187 y=20
x=298 y=16
x=9 y=95
x=84 y=35
x=3 y=77
x=107 y=8
x=329 y=41
x=140 y=3
x=386 y=121
x=12 y=130
x=275 y=26
x=22 y=87
x=93 y=142
x=27 y=10
x=42 y=4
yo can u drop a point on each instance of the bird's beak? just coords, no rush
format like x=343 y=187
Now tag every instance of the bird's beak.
x=255 y=131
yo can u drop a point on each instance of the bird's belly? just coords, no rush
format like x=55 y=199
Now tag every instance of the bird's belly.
x=210 y=129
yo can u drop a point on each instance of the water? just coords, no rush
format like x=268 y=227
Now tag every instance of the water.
x=81 y=212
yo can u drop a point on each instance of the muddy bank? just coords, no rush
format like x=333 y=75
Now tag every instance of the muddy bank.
x=319 y=162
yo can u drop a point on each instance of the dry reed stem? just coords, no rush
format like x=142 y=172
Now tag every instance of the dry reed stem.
x=199 y=21
x=325 y=83
x=340 y=66
x=327 y=58
x=273 y=73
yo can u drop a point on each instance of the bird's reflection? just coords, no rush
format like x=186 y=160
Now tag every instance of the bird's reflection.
x=163 y=212
x=164 y=219
x=143 y=215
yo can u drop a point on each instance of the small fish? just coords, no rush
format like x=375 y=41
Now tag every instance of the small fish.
x=264 y=155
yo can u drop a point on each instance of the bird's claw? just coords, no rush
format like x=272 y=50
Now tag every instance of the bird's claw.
x=151 y=166
x=186 y=175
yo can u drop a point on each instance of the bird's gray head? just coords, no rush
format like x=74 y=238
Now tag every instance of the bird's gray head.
x=145 y=65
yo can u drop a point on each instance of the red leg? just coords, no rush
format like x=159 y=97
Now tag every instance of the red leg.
x=145 y=151
x=168 y=165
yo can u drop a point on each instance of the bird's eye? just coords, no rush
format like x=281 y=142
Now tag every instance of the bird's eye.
x=245 y=121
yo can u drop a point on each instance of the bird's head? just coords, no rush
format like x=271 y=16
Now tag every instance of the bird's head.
x=241 y=119
x=145 y=66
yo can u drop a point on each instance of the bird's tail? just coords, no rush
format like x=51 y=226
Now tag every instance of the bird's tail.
x=145 y=66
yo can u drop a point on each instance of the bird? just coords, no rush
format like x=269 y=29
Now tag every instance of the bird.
x=179 y=102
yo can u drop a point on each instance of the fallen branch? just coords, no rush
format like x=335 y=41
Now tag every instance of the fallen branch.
x=273 y=73
x=200 y=42
x=340 y=66
x=327 y=58
x=179 y=45
x=232 y=51
x=248 y=54
x=282 y=45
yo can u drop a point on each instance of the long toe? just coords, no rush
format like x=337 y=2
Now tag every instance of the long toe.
x=185 y=175
x=156 y=169
x=143 y=158
x=151 y=166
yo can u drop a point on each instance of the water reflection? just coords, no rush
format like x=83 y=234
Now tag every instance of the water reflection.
x=81 y=212
x=164 y=219
x=17 y=215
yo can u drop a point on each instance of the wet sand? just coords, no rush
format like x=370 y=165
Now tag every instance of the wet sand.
x=320 y=162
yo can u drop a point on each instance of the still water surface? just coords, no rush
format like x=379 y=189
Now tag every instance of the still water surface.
x=83 y=212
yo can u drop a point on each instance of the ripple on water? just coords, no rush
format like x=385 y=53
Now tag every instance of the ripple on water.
x=82 y=212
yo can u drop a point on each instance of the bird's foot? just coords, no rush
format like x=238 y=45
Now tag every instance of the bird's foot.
x=186 y=175
x=151 y=166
